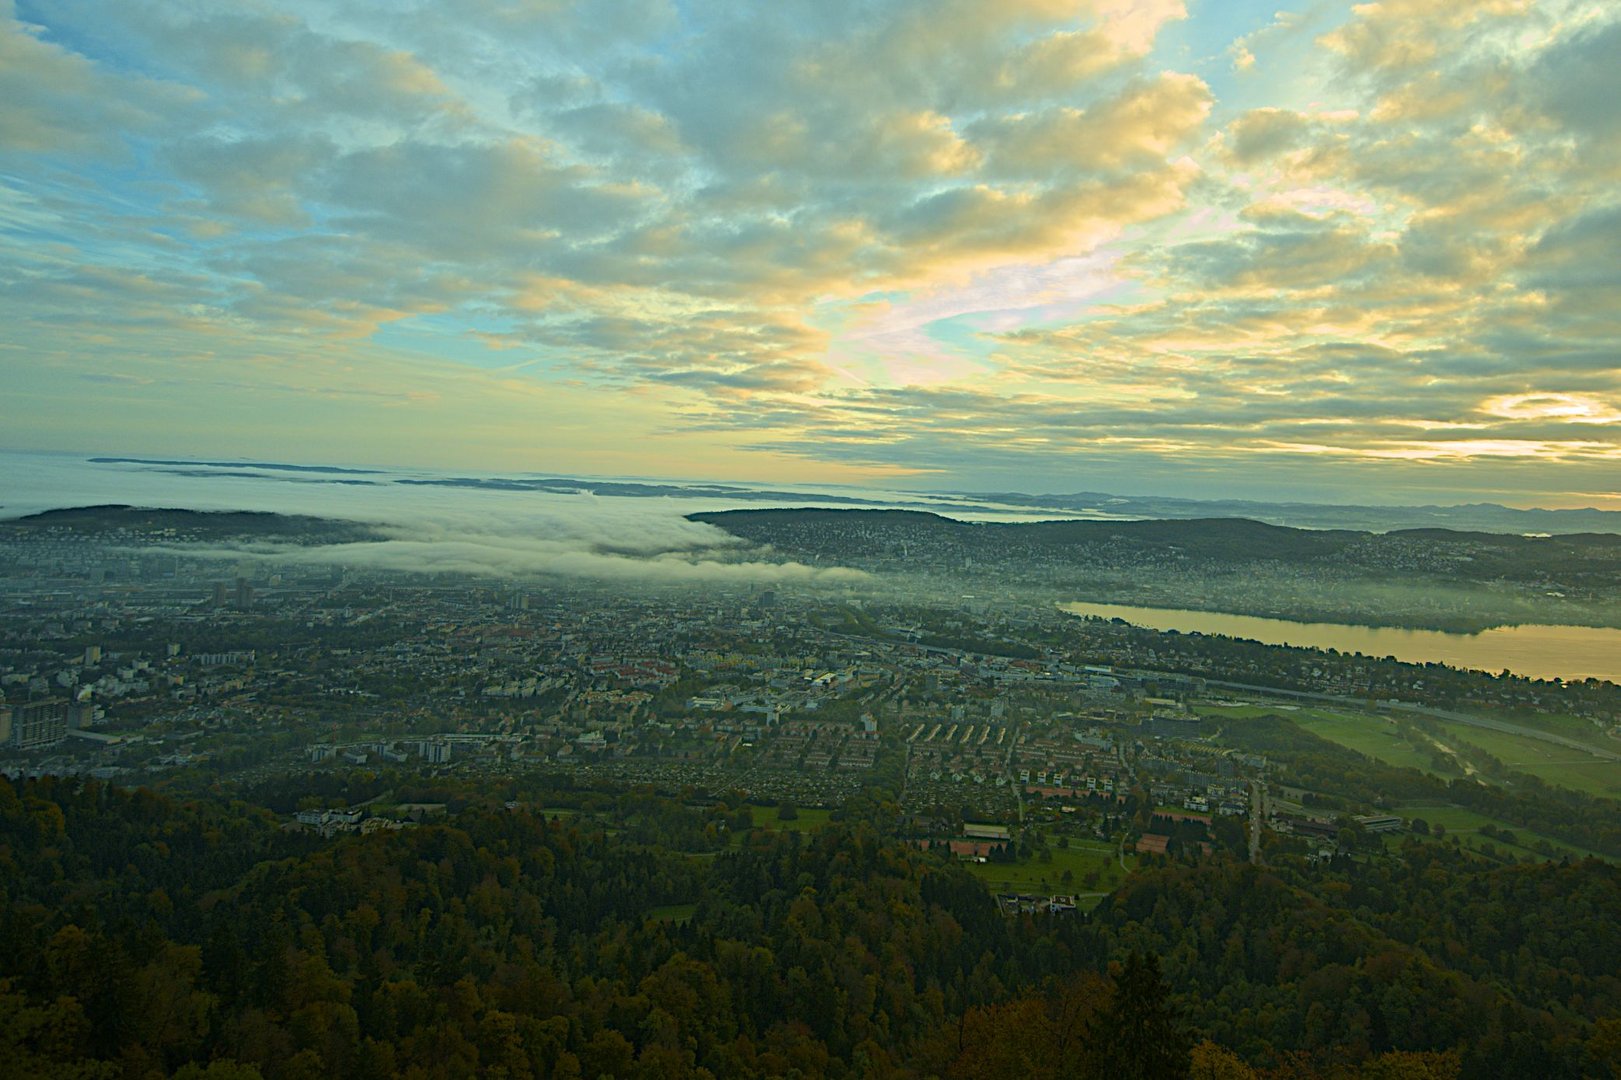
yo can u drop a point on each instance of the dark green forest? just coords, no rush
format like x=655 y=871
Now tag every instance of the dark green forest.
x=146 y=935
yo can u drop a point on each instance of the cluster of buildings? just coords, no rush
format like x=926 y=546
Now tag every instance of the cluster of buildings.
x=132 y=662
x=43 y=723
x=361 y=819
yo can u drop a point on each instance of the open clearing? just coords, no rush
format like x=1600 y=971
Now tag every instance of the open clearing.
x=1363 y=732
x=1548 y=762
x=1465 y=824
x=1034 y=876
x=1371 y=735
x=1376 y=737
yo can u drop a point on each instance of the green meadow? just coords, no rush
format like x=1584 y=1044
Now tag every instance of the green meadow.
x=1035 y=876
x=1465 y=824
x=1367 y=734
x=1363 y=732
x=674 y=913
x=1546 y=761
x=1375 y=736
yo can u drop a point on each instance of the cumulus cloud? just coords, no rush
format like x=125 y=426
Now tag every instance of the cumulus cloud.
x=1370 y=272
x=949 y=237
x=60 y=102
x=755 y=160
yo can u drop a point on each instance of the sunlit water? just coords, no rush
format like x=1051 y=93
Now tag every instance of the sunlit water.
x=1539 y=652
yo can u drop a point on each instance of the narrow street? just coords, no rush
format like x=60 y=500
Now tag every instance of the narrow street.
x=1007 y=769
x=1257 y=815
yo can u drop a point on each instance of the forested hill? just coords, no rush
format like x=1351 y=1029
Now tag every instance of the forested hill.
x=1230 y=564
x=1214 y=540
x=187 y=525
x=144 y=937
x=1223 y=539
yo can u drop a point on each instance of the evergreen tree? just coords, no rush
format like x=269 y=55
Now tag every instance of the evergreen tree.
x=1140 y=1036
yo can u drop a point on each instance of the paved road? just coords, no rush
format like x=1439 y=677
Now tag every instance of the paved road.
x=1257 y=814
x=1007 y=769
x=1441 y=714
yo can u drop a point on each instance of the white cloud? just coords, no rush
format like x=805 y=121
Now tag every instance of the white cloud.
x=754 y=220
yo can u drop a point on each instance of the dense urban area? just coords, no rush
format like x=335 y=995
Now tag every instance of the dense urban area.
x=1101 y=788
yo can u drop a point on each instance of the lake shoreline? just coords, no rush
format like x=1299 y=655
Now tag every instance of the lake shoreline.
x=1533 y=650
x=1461 y=625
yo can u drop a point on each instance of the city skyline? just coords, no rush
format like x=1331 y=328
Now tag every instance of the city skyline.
x=1339 y=254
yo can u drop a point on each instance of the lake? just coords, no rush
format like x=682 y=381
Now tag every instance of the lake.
x=1536 y=651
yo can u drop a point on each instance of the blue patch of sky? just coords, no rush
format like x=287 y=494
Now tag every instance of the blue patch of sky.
x=961 y=333
x=23 y=216
x=1203 y=45
x=884 y=296
x=73 y=27
x=68 y=204
x=1200 y=42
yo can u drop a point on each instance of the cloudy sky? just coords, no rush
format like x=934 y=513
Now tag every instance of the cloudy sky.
x=1362 y=253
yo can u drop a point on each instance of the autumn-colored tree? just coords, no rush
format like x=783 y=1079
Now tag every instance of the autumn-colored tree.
x=1604 y=1045
x=1412 y=1065
x=1211 y=1062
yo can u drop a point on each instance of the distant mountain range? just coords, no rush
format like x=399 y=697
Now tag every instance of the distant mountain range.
x=274 y=466
x=1475 y=554
x=1486 y=517
x=1095 y=505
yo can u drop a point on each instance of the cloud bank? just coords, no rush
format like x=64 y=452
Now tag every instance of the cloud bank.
x=526 y=558
x=501 y=532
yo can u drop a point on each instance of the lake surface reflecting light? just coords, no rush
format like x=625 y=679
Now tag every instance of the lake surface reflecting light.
x=1536 y=651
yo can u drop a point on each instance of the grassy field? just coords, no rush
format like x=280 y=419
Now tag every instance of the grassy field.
x=1371 y=735
x=1465 y=824
x=1549 y=763
x=1377 y=738
x=1560 y=724
x=1240 y=712
x=676 y=913
x=1034 y=876
x=1365 y=733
